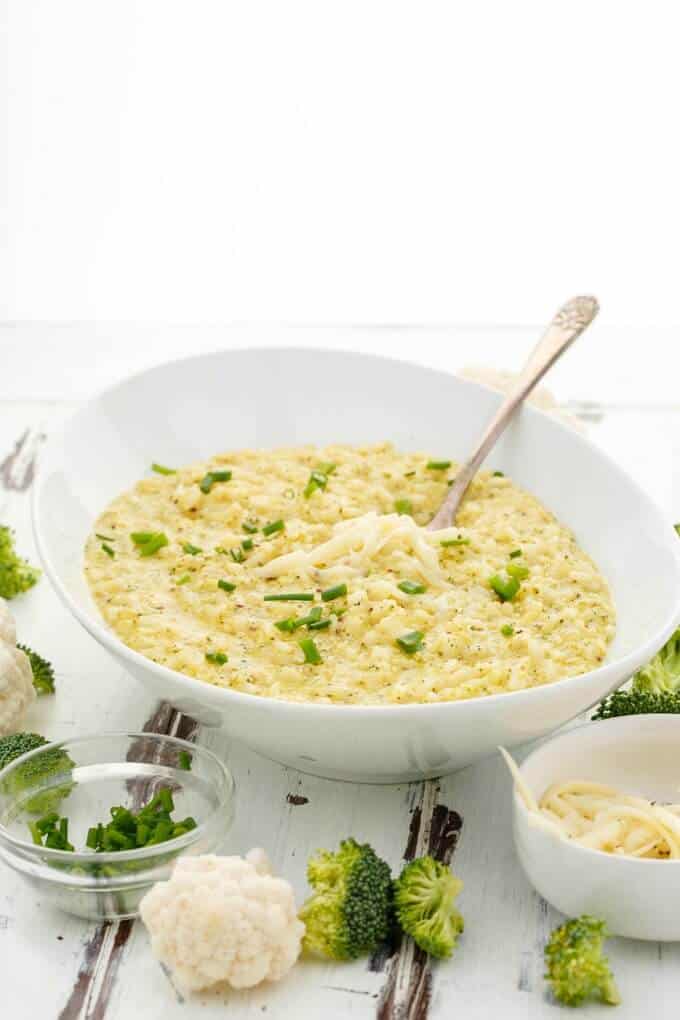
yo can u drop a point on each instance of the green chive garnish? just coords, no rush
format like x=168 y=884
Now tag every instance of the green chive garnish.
x=184 y=578
x=237 y=555
x=318 y=625
x=411 y=642
x=505 y=588
x=327 y=468
x=310 y=651
x=192 y=550
x=499 y=474
x=149 y=542
x=184 y=760
x=439 y=465
x=446 y=542
x=412 y=587
x=307 y=621
x=404 y=506
x=108 y=550
x=104 y=538
x=247 y=544
x=334 y=593
x=287 y=626
x=216 y=658
x=517 y=570
x=273 y=527
x=291 y=596
x=160 y=469
x=250 y=528
x=226 y=586
x=211 y=477
x=507 y=630
x=515 y=553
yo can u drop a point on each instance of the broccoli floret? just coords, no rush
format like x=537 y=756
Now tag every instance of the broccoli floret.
x=43 y=671
x=424 y=899
x=16 y=575
x=634 y=702
x=577 y=970
x=663 y=672
x=34 y=772
x=349 y=912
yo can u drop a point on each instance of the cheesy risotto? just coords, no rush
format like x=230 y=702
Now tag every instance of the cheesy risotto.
x=307 y=574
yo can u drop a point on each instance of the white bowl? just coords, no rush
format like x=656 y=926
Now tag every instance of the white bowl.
x=639 y=755
x=188 y=410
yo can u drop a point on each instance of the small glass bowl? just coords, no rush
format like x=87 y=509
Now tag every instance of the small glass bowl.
x=81 y=779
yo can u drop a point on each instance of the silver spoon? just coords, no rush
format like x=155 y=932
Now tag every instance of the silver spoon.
x=568 y=323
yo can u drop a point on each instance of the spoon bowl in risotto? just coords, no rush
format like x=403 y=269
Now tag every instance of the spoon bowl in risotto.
x=246 y=532
x=596 y=819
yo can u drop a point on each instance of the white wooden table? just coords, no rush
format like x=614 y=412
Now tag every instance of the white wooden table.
x=623 y=384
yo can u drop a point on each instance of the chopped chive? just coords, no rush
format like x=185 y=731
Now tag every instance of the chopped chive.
x=327 y=467
x=287 y=626
x=507 y=630
x=237 y=555
x=291 y=596
x=247 y=544
x=184 y=760
x=160 y=469
x=515 y=553
x=216 y=658
x=499 y=474
x=184 y=578
x=439 y=465
x=211 y=477
x=108 y=550
x=446 y=542
x=334 y=593
x=148 y=542
x=192 y=550
x=226 y=586
x=318 y=625
x=518 y=571
x=104 y=538
x=273 y=527
x=505 y=588
x=318 y=479
x=411 y=642
x=404 y=506
x=306 y=621
x=412 y=587
x=250 y=528
x=310 y=651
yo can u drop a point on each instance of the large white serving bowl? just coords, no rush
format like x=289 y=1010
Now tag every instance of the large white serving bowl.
x=638 y=755
x=189 y=410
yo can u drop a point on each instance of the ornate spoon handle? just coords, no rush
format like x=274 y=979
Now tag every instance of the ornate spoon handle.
x=568 y=323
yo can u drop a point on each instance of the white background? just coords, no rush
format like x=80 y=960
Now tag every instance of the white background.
x=209 y=161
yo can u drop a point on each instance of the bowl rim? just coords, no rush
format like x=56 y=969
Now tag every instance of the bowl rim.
x=628 y=663
x=662 y=719
x=38 y=855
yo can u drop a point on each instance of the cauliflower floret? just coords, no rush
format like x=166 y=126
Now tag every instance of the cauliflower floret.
x=16 y=676
x=221 y=919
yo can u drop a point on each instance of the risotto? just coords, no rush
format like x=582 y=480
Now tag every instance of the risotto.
x=306 y=574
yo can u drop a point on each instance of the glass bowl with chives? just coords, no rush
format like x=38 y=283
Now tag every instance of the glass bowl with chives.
x=93 y=822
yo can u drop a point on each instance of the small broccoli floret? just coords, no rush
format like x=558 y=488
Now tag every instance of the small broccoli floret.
x=349 y=912
x=16 y=575
x=35 y=772
x=634 y=702
x=663 y=672
x=43 y=671
x=577 y=970
x=424 y=900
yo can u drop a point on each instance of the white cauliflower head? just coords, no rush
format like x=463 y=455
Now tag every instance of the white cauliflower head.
x=16 y=676
x=220 y=919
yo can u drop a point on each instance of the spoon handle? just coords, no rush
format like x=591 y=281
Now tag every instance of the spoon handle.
x=568 y=323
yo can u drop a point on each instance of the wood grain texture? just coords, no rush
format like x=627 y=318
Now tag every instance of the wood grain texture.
x=53 y=964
